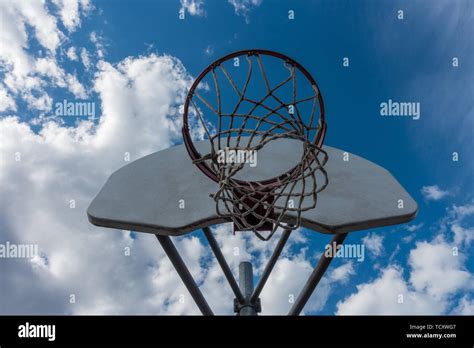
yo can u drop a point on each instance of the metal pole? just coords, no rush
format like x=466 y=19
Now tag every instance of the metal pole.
x=271 y=263
x=183 y=272
x=315 y=277
x=246 y=286
x=222 y=262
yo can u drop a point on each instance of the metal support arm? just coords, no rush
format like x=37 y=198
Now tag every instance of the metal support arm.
x=271 y=263
x=315 y=277
x=247 y=301
x=222 y=262
x=183 y=272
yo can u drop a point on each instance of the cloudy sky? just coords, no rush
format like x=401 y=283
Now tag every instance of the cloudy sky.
x=136 y=60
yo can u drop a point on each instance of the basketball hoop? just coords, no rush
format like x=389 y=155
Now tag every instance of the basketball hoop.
x=259 y=205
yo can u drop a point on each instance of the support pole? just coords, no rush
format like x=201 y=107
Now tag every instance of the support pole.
x=271 y=263
x=222 y=262
x=184 y=274
x=316 y=276
x=246 y=286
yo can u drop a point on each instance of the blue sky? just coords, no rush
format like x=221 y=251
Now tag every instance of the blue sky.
x=407 y=60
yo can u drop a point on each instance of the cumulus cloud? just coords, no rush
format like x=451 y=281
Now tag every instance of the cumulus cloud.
x=149 y=109
x=465 y=307
x=436 y=274
x=41 y=101
x=374 y=244
x=50 y=176
x=462 y=235
x=193 y=7
x=27 y=74
x=343 y=273
x=433 y=193
x=413 y=227
x=48 y=67
x=97 y=40
x=85 y=58
x=243 y=7
x=458 y=224
x=14 y=38
x=436 y=270
x=388 y=294
x=285 y=282
x=60 y=164
x=6 y=101
x=70 y=12
x=71 y=53
x=463 y=211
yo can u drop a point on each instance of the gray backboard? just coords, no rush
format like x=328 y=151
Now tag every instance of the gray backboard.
x=145 y=195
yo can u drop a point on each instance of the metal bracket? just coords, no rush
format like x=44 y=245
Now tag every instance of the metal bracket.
x=257 y=305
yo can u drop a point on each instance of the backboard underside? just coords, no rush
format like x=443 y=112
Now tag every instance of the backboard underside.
x=148 y=194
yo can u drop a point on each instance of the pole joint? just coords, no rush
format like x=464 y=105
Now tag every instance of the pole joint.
x=257 y=305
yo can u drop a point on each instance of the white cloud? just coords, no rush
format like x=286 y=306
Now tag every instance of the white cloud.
x=409 y=238
x=382 y=296
x=42 y=102
x=209 y=50
x=94 y=37
x=243 y=7
x=27 y=73
x=457 y=224
x=70 y=12
x=48 y=67
x=85 y=58
x=14 y=39
x=130 y=90
x=193 y=7
x=436 y=271
x=45 y=25
x=463 y=211
x=75 y=87
x=374 y=243
x=435 y=276
x=465 y=307
x=98 y=42
x=285 y=282
x=62 y=163
x=71 y=53
x=462 y=235
x=433 y=193
x=7 y=103
x=413 y=227
x=342 y=273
